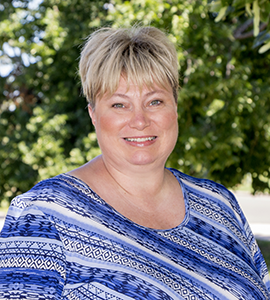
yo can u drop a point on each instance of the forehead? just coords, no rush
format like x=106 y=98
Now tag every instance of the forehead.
x=126 y=88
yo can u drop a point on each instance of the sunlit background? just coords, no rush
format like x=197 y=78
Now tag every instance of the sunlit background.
x=224 y=107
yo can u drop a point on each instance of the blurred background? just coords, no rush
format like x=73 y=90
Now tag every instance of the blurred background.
x=224 y=101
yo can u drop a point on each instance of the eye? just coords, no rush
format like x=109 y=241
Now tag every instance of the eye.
x=118 y=105
x=155 y=102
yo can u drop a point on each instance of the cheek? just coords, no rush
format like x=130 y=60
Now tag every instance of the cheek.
x=170 y=121
x=173 y=121
x=108 y=123
x=170 y=126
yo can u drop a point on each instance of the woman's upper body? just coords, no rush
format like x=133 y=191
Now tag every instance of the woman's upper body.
x=136 y=130
x=123 y=226
x=61 y=240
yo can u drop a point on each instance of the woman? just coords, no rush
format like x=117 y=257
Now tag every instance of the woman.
x=123 y=226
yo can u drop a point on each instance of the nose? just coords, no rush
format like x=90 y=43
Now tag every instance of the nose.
x=139 y=119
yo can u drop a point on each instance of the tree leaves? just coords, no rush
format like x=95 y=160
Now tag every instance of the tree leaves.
x=258 y=11
x=224 y=105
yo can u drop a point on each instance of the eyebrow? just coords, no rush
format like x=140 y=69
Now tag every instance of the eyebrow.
x=119 y=95
x=146 y=95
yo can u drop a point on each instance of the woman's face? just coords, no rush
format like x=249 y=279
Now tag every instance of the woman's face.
x=136 y=128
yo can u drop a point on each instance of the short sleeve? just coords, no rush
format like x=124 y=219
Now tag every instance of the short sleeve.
x=32 y=259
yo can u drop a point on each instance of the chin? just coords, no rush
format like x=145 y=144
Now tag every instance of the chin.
x=142 y=159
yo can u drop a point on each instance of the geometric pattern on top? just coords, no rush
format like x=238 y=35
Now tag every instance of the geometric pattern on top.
x=60 y=240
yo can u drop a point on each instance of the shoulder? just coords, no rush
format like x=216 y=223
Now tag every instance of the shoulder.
x=60 y=191
x=61 y=198
x=45 y=189
x=214 y=203
x=207 y=184
x=209 y=190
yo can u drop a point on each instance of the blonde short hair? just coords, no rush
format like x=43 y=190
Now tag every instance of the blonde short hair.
x=143 y=55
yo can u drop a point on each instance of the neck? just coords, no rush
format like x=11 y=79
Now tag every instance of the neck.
x=141 y=181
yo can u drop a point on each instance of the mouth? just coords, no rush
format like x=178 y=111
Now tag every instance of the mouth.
x=141 y=139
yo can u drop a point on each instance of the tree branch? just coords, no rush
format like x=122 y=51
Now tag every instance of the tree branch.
x=240 y=34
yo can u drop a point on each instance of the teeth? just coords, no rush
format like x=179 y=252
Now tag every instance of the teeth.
x=140 y=139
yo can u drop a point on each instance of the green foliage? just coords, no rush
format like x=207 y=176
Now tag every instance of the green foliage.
x=224 y=130
x=44 y=128
x=257 y=10
x=224 y=101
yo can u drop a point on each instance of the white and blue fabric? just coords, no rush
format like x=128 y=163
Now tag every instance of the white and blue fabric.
x=60 y=240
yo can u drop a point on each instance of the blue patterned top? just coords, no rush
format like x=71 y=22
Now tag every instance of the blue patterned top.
x=62 y=241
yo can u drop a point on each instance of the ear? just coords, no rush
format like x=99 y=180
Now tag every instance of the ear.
x=92 y=114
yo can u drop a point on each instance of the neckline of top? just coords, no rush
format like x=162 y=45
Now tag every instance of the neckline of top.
x=89 y=189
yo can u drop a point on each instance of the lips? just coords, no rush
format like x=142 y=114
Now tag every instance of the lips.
x=140 y=139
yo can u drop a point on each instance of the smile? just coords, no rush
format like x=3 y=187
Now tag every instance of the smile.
x=140 y=140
